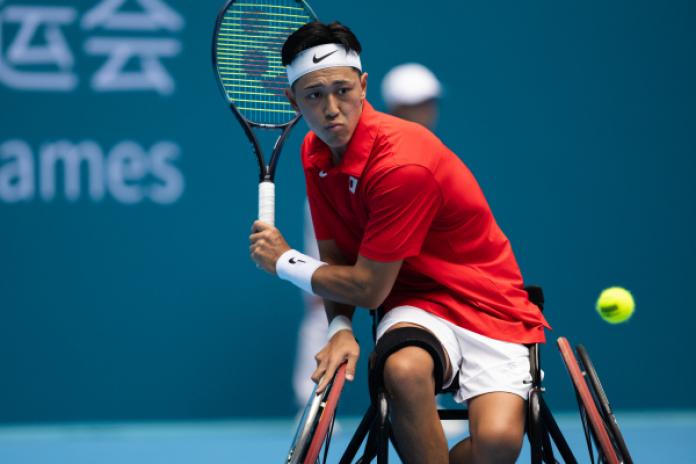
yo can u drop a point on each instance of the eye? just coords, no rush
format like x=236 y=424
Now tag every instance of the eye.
x=344 y=90
x=313 y=95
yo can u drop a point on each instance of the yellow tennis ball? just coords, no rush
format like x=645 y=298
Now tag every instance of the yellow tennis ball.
x=615 y=305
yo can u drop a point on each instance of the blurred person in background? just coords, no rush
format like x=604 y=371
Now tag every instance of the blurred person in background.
x=412 y=92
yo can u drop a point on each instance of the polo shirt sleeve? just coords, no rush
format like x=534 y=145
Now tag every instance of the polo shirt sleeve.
x=402 y=205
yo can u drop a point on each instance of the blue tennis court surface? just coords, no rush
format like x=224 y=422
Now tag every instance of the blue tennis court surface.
x=651 y=437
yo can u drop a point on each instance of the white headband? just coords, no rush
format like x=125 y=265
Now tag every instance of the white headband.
x=320 y=57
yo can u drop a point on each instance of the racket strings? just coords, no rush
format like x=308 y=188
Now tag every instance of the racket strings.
x=248 y=47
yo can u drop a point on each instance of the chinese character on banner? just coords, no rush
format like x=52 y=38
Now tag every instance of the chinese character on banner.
x=148 y=52
x=34 y=53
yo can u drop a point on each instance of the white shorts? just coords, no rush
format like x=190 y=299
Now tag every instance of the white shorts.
x=483 y=364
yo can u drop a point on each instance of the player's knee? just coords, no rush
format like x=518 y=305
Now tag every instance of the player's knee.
x=497 y=442
x=409 y=371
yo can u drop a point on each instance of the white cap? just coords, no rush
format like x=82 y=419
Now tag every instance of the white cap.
x=409 y=84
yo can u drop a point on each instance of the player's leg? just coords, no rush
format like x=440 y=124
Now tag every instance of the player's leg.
x=494 y=379
x=409 y=380
x=410 y=386
x=496 y=427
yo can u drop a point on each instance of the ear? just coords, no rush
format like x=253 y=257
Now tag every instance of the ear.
x=291 y=98
x=363 y=84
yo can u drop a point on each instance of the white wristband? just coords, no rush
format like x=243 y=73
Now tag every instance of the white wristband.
x=339 y=323
x=297 y=268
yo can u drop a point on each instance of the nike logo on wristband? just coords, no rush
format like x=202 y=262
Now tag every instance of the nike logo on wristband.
x=293 y=260
x=317 y=60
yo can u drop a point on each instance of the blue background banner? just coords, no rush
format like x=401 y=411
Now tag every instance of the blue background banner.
x=127 y=191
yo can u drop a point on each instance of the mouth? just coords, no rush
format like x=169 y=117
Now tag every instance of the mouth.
x=334 y=127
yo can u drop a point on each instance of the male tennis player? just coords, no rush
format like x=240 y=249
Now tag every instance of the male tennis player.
x=401 y=223
x=412 y=92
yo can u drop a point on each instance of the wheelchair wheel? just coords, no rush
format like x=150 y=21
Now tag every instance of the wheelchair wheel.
x=604 y=407
x=588 y=407
x=314 y=429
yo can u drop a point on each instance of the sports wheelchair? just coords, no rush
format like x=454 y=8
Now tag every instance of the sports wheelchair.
x=545 y=437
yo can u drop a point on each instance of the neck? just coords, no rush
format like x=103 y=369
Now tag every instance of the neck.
x=337 y=154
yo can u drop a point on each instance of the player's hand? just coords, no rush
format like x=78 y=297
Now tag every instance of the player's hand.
x=342 y=347
x=266 y=245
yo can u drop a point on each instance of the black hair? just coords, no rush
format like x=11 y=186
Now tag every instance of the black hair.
x=317 y=33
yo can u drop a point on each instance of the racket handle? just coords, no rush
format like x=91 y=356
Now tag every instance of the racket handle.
x=267 y=202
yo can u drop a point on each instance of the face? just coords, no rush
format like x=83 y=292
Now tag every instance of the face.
x=330 y=101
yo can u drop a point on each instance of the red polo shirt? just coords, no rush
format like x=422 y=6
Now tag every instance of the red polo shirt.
x=400 y=194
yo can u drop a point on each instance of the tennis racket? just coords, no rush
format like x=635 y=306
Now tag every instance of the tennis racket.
x=247 y=43
x=315 y=426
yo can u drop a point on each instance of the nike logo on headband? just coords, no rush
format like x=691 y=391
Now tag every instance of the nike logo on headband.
x=317 y=60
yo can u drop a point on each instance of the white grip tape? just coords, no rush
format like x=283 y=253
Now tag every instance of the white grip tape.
x=267 y=202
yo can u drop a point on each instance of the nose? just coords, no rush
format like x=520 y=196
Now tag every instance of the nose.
x=331 y=108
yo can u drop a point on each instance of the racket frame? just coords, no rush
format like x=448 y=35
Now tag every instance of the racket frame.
x=266 y=170
x=316 y=421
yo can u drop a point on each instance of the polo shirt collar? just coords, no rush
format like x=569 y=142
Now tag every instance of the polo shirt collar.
x=359 y=148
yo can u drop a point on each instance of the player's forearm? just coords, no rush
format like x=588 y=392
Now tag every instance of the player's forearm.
x=334 y=309
x=366 y=283
x=347 y=285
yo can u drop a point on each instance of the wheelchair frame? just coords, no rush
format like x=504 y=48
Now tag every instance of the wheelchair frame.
x=543 y=433
x=542 y=429
x=598 y=421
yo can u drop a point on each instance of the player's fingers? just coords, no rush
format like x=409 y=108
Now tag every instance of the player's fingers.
x=318 y=373
x=258 y=252
x=321 y=360
x=328 y=375
x=254 y=254
x=351 y=362
x=325 y=379
x=259 y=226
x=258 y=236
